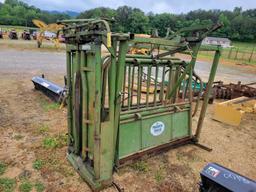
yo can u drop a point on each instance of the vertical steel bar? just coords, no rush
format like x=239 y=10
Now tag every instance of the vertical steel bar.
x=79 y=124
x=69 y=99
x=178 y=82
x=189 y=87
x=148 y=84
x=161 y=95
x=156 y=81
x=123 y=47
x=207 y=93
x=90 y=59
x=133 y=78
x=97 y=107
x=124 y=86
x=139 y=85
x=112 y=99
x=193 y=63
x=84 y=107
x=177 y=75
x=169 y=83
x=74 y=123
x=129 y=87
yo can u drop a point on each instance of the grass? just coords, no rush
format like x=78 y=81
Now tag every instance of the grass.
x=244 y=45
x=53 y=163
x=140 y=166
x=17 y=28
x=3 y=168
x=38 y=164
x=25 y=186
x=202 y=55
x=159 y=175
x=50 y=143
x=18 y=137
x=43 y=129
x=241 y=53
x=48 y=105
x=39 y=187
x=55 y=142
x=7 y=184
x=51 y=106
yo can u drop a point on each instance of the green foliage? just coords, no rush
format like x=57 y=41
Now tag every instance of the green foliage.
x=25 y=186
x=48 y=105
x=14 y=12
x=39 y=187
x=7 y=184
x=101 y=12
x=50 y=143
x=54 y=142
x=38 y=164
x=238 y=24
x=3 y=168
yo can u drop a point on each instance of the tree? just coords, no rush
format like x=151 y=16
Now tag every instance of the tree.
x=138 y=22
x=14 y=12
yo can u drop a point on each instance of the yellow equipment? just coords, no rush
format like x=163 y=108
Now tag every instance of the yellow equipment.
x=232 y=111
x=139 y=50
x=53 y=27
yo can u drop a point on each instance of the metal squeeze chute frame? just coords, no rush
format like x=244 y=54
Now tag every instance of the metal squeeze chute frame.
x=122 y=106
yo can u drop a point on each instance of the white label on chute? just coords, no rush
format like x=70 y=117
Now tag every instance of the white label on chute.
x=157 y=128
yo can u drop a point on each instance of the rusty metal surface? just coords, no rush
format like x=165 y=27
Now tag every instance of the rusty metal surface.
x=232 y=91
x=155 y=150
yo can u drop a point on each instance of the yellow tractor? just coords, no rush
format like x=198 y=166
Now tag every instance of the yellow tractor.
x=47 y=32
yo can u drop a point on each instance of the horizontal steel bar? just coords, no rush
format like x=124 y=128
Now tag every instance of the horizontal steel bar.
x=152 y=61
x=155 y=150
x=151 y=115
x=150 y=57
x=158 y=41
x=154 y=107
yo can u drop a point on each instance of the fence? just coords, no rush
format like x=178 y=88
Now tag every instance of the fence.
x=240 y=54
x=237 y=53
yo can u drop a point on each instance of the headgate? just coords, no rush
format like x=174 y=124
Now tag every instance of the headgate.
x=121 y=106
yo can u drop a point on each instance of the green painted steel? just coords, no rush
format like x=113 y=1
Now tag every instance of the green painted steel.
x=121 y=105
x=129 y=138
x=180 y=125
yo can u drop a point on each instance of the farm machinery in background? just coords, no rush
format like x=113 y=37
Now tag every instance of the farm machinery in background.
x=55 y=92
x=1 y=34
x=48 y=32
x=13 y=34
x=26 y=35
x=241 y=99
x=232 y=91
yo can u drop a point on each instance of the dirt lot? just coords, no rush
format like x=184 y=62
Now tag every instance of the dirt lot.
x=32 y=135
